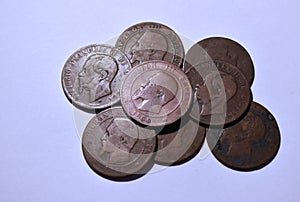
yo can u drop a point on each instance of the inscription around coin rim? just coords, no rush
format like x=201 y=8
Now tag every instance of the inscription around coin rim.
x=74 y=65
x=181 y=79
x=176 y=43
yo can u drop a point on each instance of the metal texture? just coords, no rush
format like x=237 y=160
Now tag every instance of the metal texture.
x=92 y=76
x=223 y=49
x=179 y=144
x=248 y=145
x=115 y=147
x=151 y=41
x=221 y=92
x=156 y=93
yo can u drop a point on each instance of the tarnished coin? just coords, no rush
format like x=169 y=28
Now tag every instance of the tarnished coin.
x=115 y=147
x=179 y=146
x=221 y=92
x=92 y=76
x=151 y=41
x=156 y=93
x=223 y=49
x=248 y=145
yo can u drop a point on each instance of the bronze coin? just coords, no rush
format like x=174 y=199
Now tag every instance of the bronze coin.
x=248 y=145
x=115 y=147
x=156 y=93
x=223 y=49
x=151 y=41
x=179 y=146
x=92 y=76
x=221 y=92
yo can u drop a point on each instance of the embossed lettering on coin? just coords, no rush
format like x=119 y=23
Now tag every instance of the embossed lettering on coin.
x=223 y=49
x=92 y=76
x=221 y=92
x=151 y=41
x=156 y=93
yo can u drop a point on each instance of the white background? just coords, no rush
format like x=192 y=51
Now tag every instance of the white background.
x=40 y=151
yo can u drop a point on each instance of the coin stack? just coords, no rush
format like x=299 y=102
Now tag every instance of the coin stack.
x=157 y=105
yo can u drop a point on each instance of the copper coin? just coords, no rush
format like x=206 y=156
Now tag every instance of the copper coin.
x=248 y=145
x=156 y=93
x=221 y=92
x=179 y=146
x=115 y=147
x=224 y=49
x=151 y=41
x=92 y=76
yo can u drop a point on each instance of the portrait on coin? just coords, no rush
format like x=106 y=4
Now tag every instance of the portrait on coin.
x=150 y=46
x=94 y=80
x=157 y=91
x=212 y=96
x=118 y=140
x=241 y=142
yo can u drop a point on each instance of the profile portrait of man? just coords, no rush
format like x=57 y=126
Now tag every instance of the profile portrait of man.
x=94 y=80
x=150 y=46
x=118 y=140
x=217 y=89
x=156 y=92
x=249 y=132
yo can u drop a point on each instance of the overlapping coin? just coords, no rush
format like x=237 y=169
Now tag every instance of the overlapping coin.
x=92 y=76
x=179 y=144
x=221 y=92
x=223 y=49
x=115 y=147
x=248 y=145
x=213 y=90
x=151 y=41
x=156 y=93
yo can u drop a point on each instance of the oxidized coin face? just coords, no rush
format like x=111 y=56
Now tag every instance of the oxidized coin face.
x=115 y=147
x=156 y=93
x=177 y=147
x=221 y=92
x=92 y=76
x=248 y=145
x=223 y=49
x=151 y=41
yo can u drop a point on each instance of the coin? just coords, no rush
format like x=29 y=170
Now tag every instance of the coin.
x=179 y=146
x=221 y=92
x=115 y=147
x=248 y=145
x=156 y=93
x=151 y=41
x=223 y=49
x=91 y=77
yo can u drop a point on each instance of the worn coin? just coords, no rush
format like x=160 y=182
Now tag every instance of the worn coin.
x=221 y=92
x=151 y=41
x=223 y=49
x=248 y=145
x=156 y=93
x=115 y=147
x=179 y=146
x=92 y=76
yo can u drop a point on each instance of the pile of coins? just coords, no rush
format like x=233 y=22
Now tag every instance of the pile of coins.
x=155 y=104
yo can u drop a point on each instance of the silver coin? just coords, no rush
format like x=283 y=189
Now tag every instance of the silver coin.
x=92 y=76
